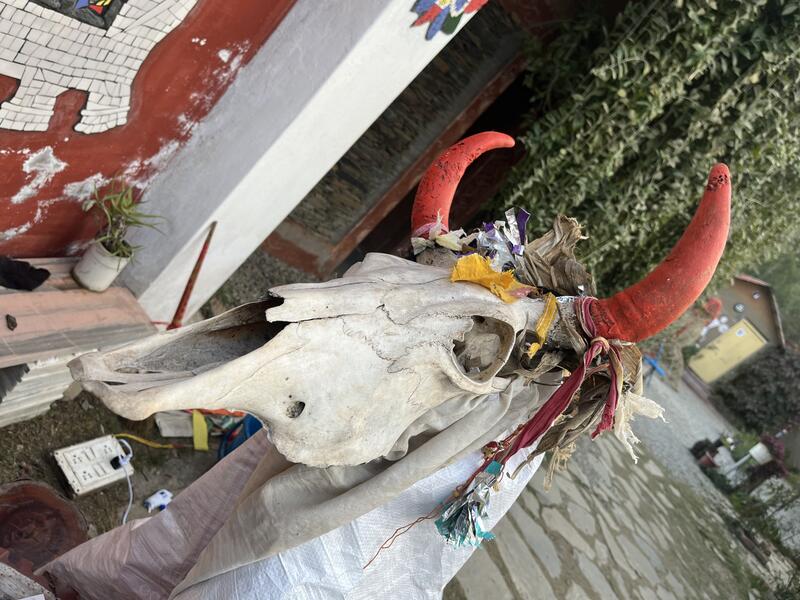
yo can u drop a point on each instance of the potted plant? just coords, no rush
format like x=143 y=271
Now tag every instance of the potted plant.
x=109 y=252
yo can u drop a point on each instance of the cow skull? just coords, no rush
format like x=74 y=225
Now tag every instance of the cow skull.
x=341 y=370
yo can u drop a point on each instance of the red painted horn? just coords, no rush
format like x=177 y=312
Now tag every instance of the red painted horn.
x=647 y=307
x=438 y=186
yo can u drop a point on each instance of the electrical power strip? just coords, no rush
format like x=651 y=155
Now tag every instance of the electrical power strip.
x=88 y=465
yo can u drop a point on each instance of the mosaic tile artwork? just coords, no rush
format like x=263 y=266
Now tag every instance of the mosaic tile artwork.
x=100 y=13
x=52 y=46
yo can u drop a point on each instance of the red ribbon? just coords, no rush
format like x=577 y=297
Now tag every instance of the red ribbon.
x=530 y=431
x=558 y=402
x=534 y=428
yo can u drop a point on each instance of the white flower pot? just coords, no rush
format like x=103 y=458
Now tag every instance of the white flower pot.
x=761 y=453
x=98 y=268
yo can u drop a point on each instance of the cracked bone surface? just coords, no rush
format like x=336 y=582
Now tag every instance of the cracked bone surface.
x=339 y=371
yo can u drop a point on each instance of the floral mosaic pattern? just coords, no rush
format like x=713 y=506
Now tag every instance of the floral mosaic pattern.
x=443 y=15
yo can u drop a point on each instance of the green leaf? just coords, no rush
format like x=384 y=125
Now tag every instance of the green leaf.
x=119 y=213
x=713 y=85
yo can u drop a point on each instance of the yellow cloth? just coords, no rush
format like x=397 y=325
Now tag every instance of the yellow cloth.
x=477 y=269
x=200 y=431
x=543 y=325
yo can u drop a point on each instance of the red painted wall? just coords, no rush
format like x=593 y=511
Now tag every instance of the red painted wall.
x=179 y=82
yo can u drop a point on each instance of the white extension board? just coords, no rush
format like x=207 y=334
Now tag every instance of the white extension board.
x=87 y=466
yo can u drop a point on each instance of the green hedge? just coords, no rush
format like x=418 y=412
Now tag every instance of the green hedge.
x=783 y=274
x=626 y=121
x=765 y=392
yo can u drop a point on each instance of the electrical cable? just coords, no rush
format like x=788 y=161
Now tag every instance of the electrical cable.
x=125 y=459
x=150 y=443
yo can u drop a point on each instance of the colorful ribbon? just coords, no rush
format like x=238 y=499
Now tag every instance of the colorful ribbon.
x=460 y=520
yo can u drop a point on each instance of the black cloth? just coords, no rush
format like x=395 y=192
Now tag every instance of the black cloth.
x=20 y=275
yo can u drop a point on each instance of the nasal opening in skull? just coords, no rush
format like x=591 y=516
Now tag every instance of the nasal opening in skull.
x=201 y=348
x=230 y=340
x=295 y=409
x=485 y=348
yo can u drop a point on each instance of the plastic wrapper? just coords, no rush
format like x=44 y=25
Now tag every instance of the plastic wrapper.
x=504 y=241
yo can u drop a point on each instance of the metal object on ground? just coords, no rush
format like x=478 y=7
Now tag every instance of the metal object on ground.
x=36 y=524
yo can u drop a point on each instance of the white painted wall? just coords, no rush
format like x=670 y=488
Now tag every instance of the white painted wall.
x=323 y=77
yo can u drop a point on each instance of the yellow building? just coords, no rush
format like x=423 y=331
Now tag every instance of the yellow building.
x=748 y=321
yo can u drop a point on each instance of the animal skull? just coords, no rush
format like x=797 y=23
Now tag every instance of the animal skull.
x=340 y=371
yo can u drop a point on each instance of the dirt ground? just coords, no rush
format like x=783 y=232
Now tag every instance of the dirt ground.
x=26 y=453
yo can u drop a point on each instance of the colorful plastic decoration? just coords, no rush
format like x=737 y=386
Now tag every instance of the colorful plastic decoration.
x=98 y=6
x=443 y=15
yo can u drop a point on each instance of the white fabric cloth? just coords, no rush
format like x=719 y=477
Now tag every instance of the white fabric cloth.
x=416 y=567
x=147 y=558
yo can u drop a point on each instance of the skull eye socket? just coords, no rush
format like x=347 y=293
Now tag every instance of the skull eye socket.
x=484 y=349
